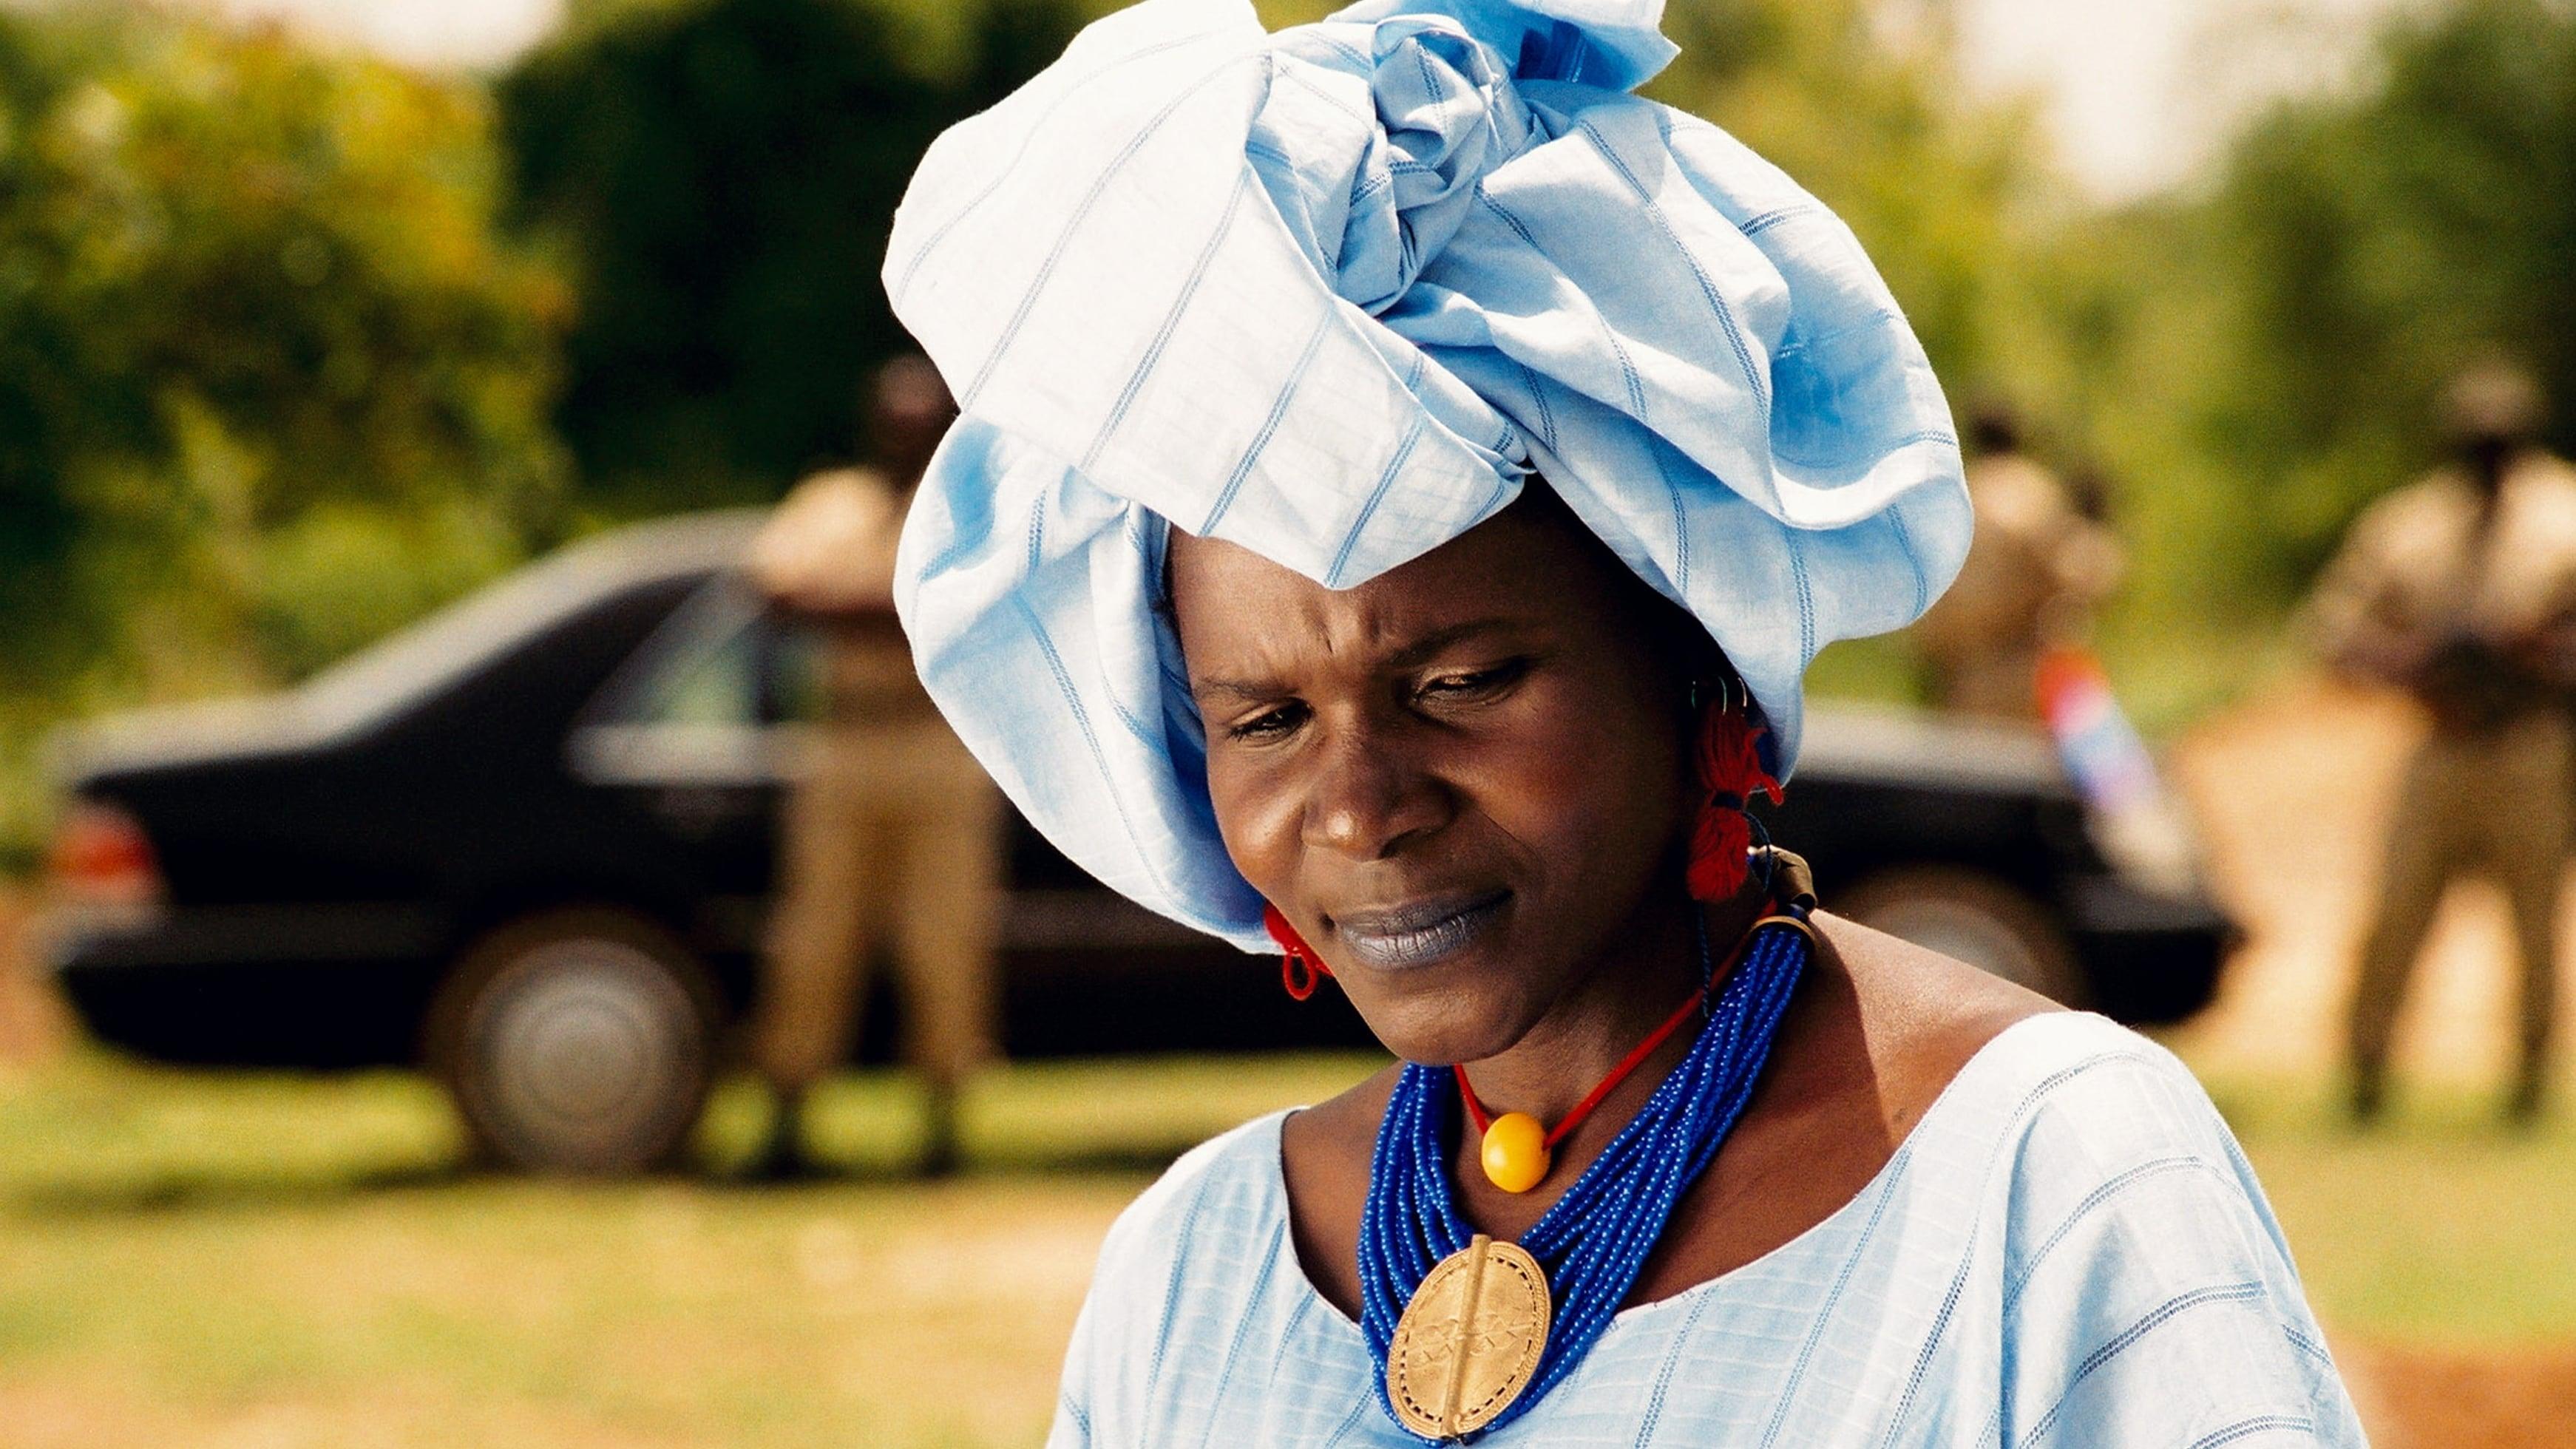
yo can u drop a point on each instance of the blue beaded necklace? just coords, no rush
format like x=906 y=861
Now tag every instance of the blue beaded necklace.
x=1595 y=1239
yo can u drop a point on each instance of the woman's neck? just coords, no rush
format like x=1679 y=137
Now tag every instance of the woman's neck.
x=1632 y=988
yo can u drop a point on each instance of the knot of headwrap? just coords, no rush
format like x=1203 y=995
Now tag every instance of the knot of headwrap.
x=1332 y=295
x=1375 y=197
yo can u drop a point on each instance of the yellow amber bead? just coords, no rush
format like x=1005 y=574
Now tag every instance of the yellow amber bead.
x=1516 y=1154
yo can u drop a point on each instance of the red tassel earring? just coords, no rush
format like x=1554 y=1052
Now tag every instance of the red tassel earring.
x=1730 y=770
x=1300 y=969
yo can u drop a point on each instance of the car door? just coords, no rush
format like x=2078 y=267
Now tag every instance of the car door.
x=696 y=736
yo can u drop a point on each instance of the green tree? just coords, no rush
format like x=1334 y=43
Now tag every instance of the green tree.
x=722 y=175
x=271 y=381
x=2380 y=240
x=243 y=285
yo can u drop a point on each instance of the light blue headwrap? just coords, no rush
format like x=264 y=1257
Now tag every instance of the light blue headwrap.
x=1332 y=295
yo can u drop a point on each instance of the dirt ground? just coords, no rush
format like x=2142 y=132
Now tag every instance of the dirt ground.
x=2419 y=1399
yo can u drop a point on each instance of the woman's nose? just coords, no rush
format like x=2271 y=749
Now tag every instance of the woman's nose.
x=1369 y=796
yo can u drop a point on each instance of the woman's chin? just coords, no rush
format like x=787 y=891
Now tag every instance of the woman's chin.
x=1443 y=1028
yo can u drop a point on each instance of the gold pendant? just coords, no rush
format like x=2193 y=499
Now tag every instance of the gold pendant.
x=1470 y=1340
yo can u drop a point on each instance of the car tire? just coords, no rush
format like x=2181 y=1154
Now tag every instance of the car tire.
x=576 y=1041
x=1974 y=917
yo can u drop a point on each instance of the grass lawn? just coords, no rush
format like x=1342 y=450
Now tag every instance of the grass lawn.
x=196 y=1259
x=285 y=1261
x=2441 y=1229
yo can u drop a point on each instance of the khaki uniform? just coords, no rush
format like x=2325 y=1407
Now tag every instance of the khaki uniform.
x=892 y=830
x=2036 y=566
x=2472 y=612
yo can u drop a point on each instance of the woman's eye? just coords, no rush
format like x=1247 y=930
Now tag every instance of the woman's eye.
x=1474 y=684
x=1269 y=724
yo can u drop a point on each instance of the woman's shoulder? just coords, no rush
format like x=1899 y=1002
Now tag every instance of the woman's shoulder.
x=1190 y=1269
x=2072 y=1129
x=2121 y=1245
x=2003 y=1079
x=1223 y=1190
x=2064 y=1082
x=2067 y=1094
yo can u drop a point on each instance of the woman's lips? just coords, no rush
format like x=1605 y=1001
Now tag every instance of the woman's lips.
x=1419 y=933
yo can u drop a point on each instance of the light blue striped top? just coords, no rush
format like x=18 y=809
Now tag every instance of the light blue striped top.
x=2069 y=1249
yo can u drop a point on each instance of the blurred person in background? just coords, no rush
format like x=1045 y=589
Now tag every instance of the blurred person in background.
x=892 y=828
x=2041 y=561
x=2460 y=590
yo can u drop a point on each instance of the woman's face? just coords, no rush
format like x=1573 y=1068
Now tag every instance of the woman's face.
x=1459 y=781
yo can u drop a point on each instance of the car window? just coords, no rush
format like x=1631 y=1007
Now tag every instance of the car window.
x=702 y=668
x=715 y=684
x=798 y=688
x=721 y=661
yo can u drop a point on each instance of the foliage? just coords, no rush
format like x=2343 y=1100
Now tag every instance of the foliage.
x=2247 y=364
x=2254 y=362
x=258 y=335
x=723 y=176
x=2375 y=242
x=240 y=280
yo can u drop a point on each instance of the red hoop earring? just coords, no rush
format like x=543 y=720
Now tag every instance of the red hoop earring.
x=1300 y=969
x=1729 y=763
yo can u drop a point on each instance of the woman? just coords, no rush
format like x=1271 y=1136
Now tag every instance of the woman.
x=1402 y=477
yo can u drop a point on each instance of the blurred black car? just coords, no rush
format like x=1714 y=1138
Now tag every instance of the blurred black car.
x=529 y=844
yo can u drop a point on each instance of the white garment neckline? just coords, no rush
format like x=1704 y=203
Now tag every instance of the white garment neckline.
x=1879 y=1184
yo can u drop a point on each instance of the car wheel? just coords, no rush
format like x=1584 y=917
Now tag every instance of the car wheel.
x=576 y=1041
x=1974 y=917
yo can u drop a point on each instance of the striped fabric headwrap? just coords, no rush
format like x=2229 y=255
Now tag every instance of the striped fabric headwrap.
x=1333 y=294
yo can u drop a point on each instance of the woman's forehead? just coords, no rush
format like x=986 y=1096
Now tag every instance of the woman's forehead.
x=1516 y=570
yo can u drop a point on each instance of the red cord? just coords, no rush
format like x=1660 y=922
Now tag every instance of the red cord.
x=1477 y=1114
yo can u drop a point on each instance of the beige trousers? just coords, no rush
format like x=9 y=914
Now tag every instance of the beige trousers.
x=2495 y=805
x=894 y=831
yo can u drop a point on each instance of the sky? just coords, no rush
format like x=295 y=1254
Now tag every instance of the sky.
x=428 y=32
x=2136 y=92
x=2139 y=92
